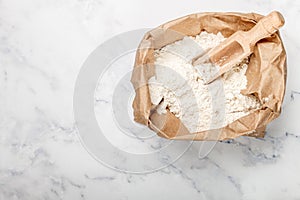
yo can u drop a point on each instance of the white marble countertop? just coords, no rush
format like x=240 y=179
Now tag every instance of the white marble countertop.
x=43 y=44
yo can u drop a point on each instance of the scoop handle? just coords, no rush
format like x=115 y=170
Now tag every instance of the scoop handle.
x=265 y=27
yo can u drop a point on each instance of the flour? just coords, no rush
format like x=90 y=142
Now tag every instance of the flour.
x=179 y=86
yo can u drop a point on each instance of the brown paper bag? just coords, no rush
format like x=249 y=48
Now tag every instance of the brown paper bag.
x=266 y=76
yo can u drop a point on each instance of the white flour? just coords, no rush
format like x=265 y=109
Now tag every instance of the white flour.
x=178 y=86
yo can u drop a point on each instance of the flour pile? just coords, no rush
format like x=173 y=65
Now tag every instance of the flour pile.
x=179 y=87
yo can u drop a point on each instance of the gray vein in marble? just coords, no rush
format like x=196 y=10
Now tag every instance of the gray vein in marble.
x=102 y=101
x=186 y=177
x=18 y=56
x=224 y=173
x=292 y=135
x=100 y=178
x=260 y=156
x=293 y=94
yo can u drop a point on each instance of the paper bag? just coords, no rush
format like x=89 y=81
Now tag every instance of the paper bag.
x=266 y=75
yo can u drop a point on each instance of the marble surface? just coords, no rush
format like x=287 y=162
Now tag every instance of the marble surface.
x=43 y=44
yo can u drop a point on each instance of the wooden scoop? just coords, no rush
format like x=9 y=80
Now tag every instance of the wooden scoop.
x=239 y=45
